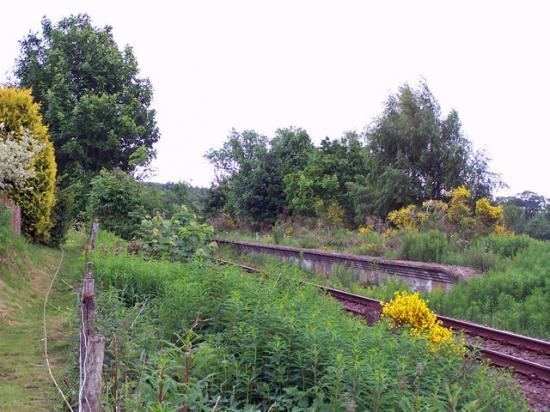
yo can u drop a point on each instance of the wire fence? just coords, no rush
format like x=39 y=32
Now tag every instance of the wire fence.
x=92 y=346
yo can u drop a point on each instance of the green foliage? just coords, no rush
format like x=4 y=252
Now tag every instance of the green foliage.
x=168 y=197
x=412 y=154
x=5 y=228
x=62 y=215
x=252 y=173
x=514 y=218
x=529 y=202
x=539 y=226
x=17 y=111
x=115 y=201
x=278 y=235
x=476 y=255
x=252 y=345
x=515 y=296
x=97 y=108
x=527 y=212
x=430 y=246
x=415 y=154
x=179 y=239
x=507 y=246
x=305 y=193
x=90 y=93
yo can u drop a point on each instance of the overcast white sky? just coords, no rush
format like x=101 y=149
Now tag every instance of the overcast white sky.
x=326 y=67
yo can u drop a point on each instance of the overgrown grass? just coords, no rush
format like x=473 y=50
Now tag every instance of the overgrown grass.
x=341 y=277
x=206 y=337
x=25 y=273
x=515 y=296
x=433 y=245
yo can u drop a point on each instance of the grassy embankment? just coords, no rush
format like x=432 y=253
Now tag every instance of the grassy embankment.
x=25 y=274
x=203 y=337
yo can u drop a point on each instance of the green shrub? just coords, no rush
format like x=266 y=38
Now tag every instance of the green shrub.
x=62 y=215
x=338 y=239
x=431 y=246
x=178 y=239
x=478 y=256
x=308 y=243
x=115 y=202
x=539 y=226
x=17 y=110
x=372 y=244
x=5 y=228
x=278 y=235
x=515 y=296
x=507 y=246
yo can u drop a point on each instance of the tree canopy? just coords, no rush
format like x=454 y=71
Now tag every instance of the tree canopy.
x=416 y=154
x=527 y=212
x=411 y=153
x=251 y=169
x=97 y=108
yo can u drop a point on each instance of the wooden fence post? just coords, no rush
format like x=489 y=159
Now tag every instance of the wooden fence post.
x=94 y=233
x=92 y=347
x=93 y=368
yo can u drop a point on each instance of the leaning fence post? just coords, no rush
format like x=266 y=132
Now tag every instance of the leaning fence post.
x=87 y=317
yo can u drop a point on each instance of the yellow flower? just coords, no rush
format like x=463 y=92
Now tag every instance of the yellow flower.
x=490 y=216
x=363 y=230
x=410 y=309
x=458 y=207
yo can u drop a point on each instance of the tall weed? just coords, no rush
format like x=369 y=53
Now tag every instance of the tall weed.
x=219 y=338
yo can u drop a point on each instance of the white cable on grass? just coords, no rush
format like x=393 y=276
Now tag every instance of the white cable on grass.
x=46 y=331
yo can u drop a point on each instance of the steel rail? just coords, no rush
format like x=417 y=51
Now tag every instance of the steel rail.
x=471 y=328
x=510 y=338
x=497 y=358
x=520 y=365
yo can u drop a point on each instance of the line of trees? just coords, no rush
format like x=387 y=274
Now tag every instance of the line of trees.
x=409 y=154
x=527 y=212
x=81 y=108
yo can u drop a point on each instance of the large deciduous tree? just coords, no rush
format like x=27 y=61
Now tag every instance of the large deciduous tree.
x=324 y=179
x=95 y=104
x=416 y=154
x=250 y=172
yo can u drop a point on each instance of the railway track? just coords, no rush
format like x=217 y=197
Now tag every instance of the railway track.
x=525 y=355
x=420 y=275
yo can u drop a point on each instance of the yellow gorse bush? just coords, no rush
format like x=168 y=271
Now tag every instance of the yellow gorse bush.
x=459 y=208
x=407 y=217
x=490 y=216
x=335 y=213
x=410 y=309
x=363 y=230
